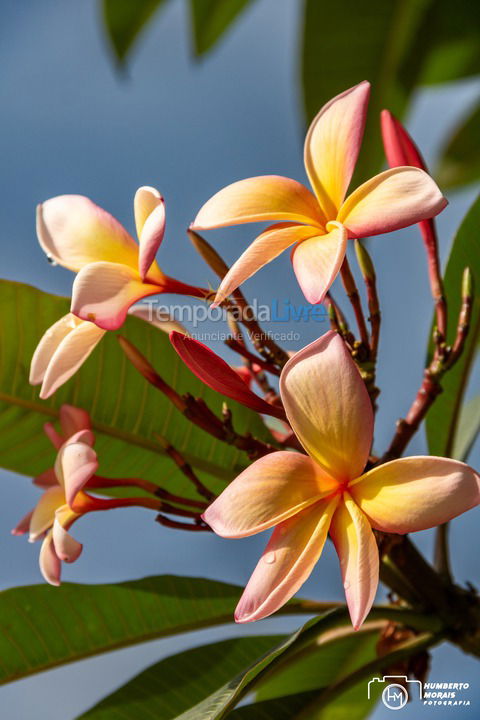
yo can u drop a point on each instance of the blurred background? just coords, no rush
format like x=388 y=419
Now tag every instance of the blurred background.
x=73 y=121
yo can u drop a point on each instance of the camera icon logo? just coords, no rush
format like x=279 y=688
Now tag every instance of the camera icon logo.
x=395 y=694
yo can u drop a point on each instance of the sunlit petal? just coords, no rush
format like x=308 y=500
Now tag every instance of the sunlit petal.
x=50 y=564
x=272 y=489
x=258 y=199
x=150 y=221
x=75 y=464
x=49 y=342
x=332 y=146
x=288 y=560
x=317 y=261
x=144 y=203
x=392 y=200
x=44 y=511
x=416 y=493
x=267 y=246
x=66 y=547
x=73 y=231
x=70 y=355
x=358 y=554
x=328 y=406
x=104 y=291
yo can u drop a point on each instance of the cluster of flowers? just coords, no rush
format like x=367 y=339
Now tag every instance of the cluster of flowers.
x=304 y=496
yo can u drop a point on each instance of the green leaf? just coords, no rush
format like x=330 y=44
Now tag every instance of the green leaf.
x=468 y=429
x=126 y=411
x=211 y=19
x=449 y=41
x=173 y=685
x=333 y=659
x=460 y=159
x=42 y=627
x=219 y=703
x=124 y=21
x=442 y=418
x=345 y=43
x=279 y=708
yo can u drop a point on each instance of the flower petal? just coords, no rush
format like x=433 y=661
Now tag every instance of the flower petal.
x=332 y=146
x=400 y=149
x=75 y=464
x=50 y=565
x=392 y=200
x=70 y=355
x=212 y=370
x=416 y=493
x=66 y=547
x=44 y=511
x=46 y=479
x=49 y=342
x=150 y=221
x=265 y=248
x=160 y=319
x=399 y=146
x=358 y=554
x=55 y=438
x=73 y=231
x=316 y=262
x=272 y=489
x=24 y=525
x=144 y=203
x=288 y=560
x=328 y=406
x=73 y=419
x=103 y=291
x=267 y=197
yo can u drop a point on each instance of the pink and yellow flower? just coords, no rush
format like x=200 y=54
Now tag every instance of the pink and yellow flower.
x=67 y=344
x=64 y=500
x=114 y=272
x=305 y=497
x=318 y=224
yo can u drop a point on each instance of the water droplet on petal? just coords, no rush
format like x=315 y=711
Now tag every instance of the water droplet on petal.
x=269 y=558
x=346 y=584
x=51 y=260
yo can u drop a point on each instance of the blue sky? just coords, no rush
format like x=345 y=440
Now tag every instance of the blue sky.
x=70 y=124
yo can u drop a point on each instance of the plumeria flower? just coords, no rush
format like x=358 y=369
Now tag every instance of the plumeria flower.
x=64 y=500
x=305 y=497
x=68 y=343
x=114 y=272
x=318 y=224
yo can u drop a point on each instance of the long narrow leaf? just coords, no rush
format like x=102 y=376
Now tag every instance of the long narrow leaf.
x=173 y=685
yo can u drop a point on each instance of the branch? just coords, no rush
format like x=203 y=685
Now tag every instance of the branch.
x=431 y=387
x=368 y=272
x=195 y=409
x=430 y=241
x=263 y=342
x=352 y=293
x=186 y=469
